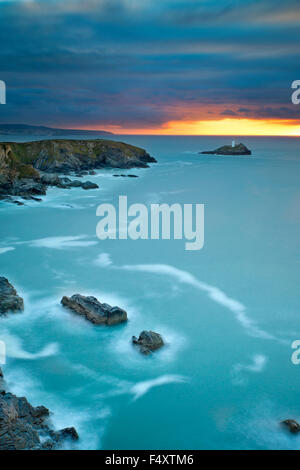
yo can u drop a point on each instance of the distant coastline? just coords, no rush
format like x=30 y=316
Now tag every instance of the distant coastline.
x=23 y=129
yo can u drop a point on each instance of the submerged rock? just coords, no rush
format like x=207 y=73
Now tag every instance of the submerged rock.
x=75 y=184
x=9 y=299
x=124 y=176
x=18 y=203
x=24 y=427
x=239 y=149
x=94 y=311
x=89 y=185
x=148 y=341
x=292 y=425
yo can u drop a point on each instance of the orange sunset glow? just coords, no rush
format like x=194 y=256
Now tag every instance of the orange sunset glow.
x=227 y=126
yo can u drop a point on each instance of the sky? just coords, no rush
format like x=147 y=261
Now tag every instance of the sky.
x=152 y=67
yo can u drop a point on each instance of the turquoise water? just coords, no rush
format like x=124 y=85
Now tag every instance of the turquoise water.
x=228 y=313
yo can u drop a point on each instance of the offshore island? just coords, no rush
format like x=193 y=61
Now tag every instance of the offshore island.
x=234 y=149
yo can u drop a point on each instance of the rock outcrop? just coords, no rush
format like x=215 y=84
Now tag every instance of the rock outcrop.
x=9 y=299
x=291 y=425
x=124 y=176
x=24 y=427
x=52 y=179
x=21 y=163
x=148 y=341
x=239 y=149
x=89 y=185
x=94 y=311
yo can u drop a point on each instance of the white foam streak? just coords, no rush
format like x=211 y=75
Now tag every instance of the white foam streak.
x=258 y=364
x=59 y=243
x=216 y=294
x=14 y=348
x=141 y=388
x=6 y=249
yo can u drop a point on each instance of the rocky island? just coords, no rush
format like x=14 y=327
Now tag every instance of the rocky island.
x=28 y=168
x=239 y=149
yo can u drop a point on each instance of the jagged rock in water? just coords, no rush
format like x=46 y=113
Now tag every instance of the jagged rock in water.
x=239 y=149
x=292 y=425
x=24 y=427
x=9 y=299
x=148 y=341
x=94 y=311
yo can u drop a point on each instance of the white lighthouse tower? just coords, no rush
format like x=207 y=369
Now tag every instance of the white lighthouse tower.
x=233 y=144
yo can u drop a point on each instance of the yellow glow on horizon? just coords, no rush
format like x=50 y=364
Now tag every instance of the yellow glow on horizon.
x=227 y=126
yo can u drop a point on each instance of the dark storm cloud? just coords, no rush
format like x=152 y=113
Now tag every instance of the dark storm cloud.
x=137 y=63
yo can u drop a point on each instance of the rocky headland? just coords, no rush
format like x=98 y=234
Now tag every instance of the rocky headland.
x=28 y=168
x=239 y=149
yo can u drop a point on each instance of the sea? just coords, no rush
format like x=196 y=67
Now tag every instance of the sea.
x=229 y=313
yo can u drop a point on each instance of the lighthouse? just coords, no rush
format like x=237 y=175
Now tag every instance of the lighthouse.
x=233 y=144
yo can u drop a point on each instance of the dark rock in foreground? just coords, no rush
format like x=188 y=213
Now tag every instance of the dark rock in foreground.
x=94 y=311
x=9 y=299
x=292 y=425
x=239 y=149
x=148 y=341
x=24 y=427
